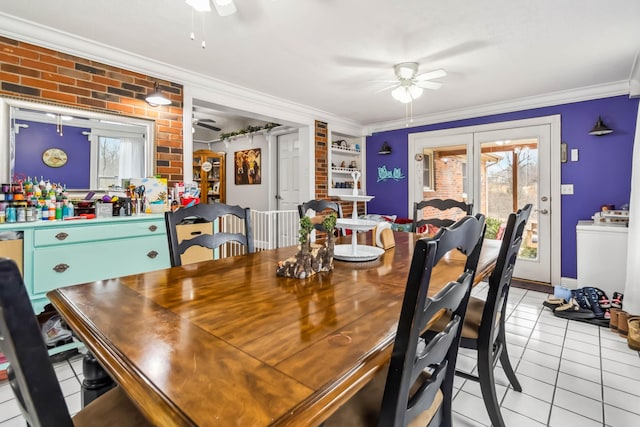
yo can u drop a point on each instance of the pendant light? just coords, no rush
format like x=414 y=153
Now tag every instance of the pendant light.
x=156 y=97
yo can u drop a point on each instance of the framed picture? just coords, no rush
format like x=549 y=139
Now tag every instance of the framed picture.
x=248 y=167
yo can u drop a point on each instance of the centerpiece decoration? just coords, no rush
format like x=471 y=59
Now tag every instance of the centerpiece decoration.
x=310 y=259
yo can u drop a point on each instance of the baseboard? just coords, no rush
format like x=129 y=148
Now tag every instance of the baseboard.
x=531 y=285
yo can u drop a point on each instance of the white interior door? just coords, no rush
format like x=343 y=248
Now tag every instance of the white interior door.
x=288 y=189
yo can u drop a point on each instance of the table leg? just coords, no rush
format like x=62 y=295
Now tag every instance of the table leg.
x=96 y=381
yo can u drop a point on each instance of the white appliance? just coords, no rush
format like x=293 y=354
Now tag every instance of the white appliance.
x=602 y=256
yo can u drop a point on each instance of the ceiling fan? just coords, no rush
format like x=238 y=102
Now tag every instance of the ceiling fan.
x=410 y=84
x=205 y=123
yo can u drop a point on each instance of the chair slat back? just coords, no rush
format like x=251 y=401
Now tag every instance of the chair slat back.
x=31 y=375
x=413 y=352
x=500 y=279
x=441 y=205
x=208 y=214
x=319 y=206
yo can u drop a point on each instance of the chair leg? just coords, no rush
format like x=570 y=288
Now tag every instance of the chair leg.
x=508 y=370
x=488 y=388
x=506 y=363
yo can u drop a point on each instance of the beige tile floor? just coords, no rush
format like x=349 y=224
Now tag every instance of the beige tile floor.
x=572 y=374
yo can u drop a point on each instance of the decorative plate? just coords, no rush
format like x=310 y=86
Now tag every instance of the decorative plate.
x=54 y=157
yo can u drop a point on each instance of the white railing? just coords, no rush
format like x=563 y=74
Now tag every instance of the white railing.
x=271 y=229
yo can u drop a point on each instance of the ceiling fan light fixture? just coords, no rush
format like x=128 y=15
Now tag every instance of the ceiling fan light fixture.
x=415 y=91
x=156 y=97
x=401 y=94
x=200 y=5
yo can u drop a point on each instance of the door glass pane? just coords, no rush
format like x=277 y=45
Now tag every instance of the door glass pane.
x=509 y=180
x=445 y=177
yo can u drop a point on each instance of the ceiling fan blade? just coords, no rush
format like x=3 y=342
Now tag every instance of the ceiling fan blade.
x=208 y=126
x=396 y=84
x=435 y=74
x=428 y=85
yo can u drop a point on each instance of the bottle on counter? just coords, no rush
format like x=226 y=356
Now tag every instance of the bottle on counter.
x=52 y=211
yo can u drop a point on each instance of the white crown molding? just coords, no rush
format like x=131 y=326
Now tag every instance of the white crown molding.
x=225 y=93
x=634 y=79
x=546 y=100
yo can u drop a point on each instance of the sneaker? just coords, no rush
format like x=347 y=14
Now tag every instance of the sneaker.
x=593 y=299
x=573 y=310
x=616 y=300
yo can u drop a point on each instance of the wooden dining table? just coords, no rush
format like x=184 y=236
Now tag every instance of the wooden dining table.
x=226 y=342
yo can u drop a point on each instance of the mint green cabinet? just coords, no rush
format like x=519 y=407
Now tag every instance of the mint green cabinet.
x=63 y=253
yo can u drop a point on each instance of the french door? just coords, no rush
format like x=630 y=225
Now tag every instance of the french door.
x=498 y=171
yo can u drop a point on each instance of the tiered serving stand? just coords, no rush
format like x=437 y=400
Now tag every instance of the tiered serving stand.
x=355 y=252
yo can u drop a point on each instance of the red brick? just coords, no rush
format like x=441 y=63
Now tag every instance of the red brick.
x=19 y=51
x=57 y=96
x=58 y=78
x=16 y=69
x=11 y=78
x=52 y=59
x=11 y=59
x=42 y=84
x=38 y=65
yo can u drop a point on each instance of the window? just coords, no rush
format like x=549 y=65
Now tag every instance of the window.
x=117 y=158
x=427 y=170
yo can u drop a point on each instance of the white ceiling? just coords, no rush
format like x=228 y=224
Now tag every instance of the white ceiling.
x=328 y=54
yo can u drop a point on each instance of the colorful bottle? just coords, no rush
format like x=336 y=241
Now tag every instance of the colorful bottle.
x=52 y=211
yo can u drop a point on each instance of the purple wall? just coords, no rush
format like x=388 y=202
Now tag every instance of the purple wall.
x=31 y=142
x=601 y=176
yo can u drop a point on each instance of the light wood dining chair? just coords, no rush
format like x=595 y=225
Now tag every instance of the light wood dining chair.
x=320 y=206
x=416 y=388
x=441 y=206
x=31 y=375
x=484 y=324
x=193 y=229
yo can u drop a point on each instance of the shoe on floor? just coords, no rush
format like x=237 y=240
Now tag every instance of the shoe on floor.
x=633 y=338
x=613 y=321
x=553 y=302
x=572 y=310
x=623 y=323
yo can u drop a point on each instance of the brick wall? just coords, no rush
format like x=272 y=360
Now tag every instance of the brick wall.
x=322 y=171
x=34 y=73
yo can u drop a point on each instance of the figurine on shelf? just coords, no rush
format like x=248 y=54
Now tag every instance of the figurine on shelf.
x=343 y=164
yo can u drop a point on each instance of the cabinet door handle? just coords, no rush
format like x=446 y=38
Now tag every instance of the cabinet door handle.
x=61 y=236
x=61 y=268
x=152 y=254
x=153 y=227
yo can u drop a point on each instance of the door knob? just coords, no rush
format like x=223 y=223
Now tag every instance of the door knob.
x=544 y=198
x=543 y=211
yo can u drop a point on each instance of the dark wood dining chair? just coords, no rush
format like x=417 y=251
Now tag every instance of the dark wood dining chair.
x=31 y=375
x=440 y=205
x=195 y=226
x=484 y=328
x=319 y=206
x=416 y=389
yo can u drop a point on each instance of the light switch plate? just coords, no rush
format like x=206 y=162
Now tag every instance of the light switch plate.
x=566 y=189
x=574 y=154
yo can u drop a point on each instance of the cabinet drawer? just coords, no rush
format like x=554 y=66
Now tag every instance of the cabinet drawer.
x=71 y=264
x=90 y=233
